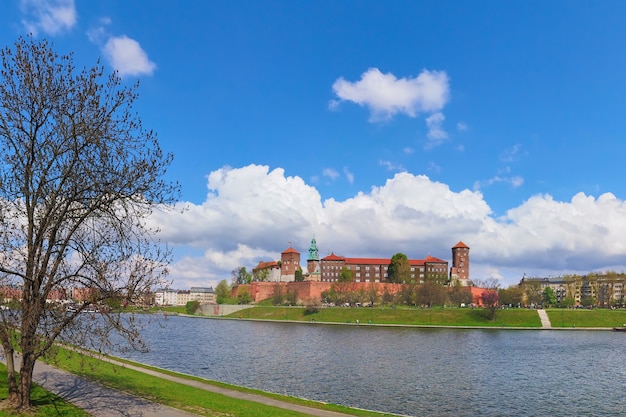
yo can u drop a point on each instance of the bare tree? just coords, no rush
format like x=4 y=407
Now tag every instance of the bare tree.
x=79 y=175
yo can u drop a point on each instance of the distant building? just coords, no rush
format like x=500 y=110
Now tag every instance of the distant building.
x=170 y=297
x=602 y=290
x=267 y=271
x=376 y=269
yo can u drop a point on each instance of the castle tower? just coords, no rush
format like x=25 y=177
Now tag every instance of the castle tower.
x=460 y=269
x=289 y=264
x=313 y=262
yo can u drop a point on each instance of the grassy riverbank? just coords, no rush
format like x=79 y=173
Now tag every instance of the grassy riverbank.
x=581 y=318
x=46 y=403
x=175 y=394
x=436 y=316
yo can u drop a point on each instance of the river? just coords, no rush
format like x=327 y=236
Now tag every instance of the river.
x=410 y=371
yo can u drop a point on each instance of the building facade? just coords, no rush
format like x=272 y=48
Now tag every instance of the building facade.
x=376 y=269
x=602 y=290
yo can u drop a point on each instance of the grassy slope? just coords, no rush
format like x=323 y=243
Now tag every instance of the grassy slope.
x=398 y=316
x=181 y=396
x=47 y=403
x=586 y=318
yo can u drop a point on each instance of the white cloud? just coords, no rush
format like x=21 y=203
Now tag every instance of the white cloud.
x=390 y=166
x=252 y=214
x=385 y=95
x=349 y=175
x=48 y=16
x=330 y=173
x=461 y=126
x=436 y=135
x=514 y=181
x=127 y=56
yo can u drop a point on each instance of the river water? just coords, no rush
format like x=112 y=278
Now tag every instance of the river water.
x=410 y=371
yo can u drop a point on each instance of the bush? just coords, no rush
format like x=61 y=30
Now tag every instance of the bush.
x=192 y=306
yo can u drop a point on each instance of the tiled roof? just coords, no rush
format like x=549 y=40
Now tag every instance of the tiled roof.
x=264 y=265
x=333 y=257
x=433 y=259
x=460 y=245
x=290 y=250
x=379 y=261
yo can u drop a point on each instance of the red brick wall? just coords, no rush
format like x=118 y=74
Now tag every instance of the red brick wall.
x=308 y=290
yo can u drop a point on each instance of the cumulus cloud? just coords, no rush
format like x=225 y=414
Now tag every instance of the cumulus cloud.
x=385 y=95
x=48 y=16
x=254 y=213
x=124 y=54
x=127 y=56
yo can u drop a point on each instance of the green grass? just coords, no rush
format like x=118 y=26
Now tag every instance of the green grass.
x=435 y=316
x=599 y=317
x=181 y=396
x=46 y=403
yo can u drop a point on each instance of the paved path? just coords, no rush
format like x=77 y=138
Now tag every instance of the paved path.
x=100 y=401
x=545 y=320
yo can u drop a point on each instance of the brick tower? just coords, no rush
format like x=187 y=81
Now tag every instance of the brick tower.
x=460 y=269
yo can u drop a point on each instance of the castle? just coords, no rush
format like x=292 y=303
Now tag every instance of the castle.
x=328 y=269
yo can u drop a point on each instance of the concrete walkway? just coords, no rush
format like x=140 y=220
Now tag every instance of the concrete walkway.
x=100 y=401
x=545 y=320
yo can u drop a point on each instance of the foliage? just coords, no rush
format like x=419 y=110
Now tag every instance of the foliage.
x=345 y=275
x=291 y=298
x=222 y=292
x=490 y=295
x=513 y=296
x=244 y=297
x=549 y=298
x=78 y=179
x=312 y=308
x=261 y=274
x=299 y=276
x=430 y=293
x=460 y=295
x=568 y=302
x=278 y=298
x=534 y=295
x=241 y=276
x=587 y=301
x=399 y=269
x=192 y=307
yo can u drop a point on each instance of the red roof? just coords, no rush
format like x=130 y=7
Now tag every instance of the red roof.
x=379 y=261
x=264 y=265
x=460 y=245
x=290 y=250
x=333 y=257
x=432 y=259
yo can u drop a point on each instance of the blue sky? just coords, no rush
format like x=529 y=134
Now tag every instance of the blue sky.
x=377 y=127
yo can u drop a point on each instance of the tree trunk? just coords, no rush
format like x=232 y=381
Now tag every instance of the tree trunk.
x=26 y=380
x=12 y=395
